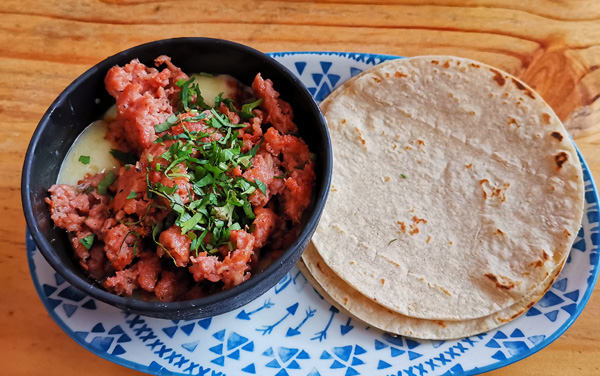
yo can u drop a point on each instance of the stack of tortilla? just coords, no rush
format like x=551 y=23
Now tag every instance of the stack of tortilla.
x=455 y=200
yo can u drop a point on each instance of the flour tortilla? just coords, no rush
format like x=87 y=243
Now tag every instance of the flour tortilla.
x=353 y=303
x=456 y=189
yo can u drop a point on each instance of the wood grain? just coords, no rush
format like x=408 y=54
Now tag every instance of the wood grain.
x=552 y=45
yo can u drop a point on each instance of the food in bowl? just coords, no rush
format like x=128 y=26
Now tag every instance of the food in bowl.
x=209 y=189
x=476 y=198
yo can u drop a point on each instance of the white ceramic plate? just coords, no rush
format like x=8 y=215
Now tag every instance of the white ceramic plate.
x=291 y=330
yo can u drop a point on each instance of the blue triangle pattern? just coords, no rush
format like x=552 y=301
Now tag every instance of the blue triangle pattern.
x=250 y=369
x=517 y=334
x=550 y=299
x=437 y=344
x=124 y=338
x=118 y=350
x=286 y=353
x=53 y=303
x=579 y=245
x=413 y=355
x=72 y=293
x=383 y=365
x=293 y=365
x=411 y=344
x=48 y=290
x=98 y=328
x=314 y=372
x=325 y=355
x=395 y=352
x=234 y=355
x=500 y=335
x=380 y=345
x=351 y=372
x=356 y=362
x=536 y=339
x=101 y=343
x=570 y=309
x=81 y=335
x=325 y=65
x=175 y=322
x=492 y=344
x=592 y=217
x=155 y=366
x=273 y=364
x=533 y=312
x=560 y=285
x=516 y=347
x=268 y=352
x=457 y=369
x=354 y=71
x=573 y=295
x=116 y=330
x=188 y=329
x=343 y=352
x=336 y=365
x=59 y=280
x=249 y=346
x=551 y=315
x=300 y=65
x=69 y=309
x=312 y=90
x=234 y=340
x=359 y=350
x=317 y=77
x=282 y=372
x=220 y=335
x=303 y=355
x=333 y=79
x=219 y=361
x=170 y=331
x=218 y=349
x=394 y=340
x=323 y=92
x=90 y=304
x=499 y=355
x=205 y=323
x=190 y=346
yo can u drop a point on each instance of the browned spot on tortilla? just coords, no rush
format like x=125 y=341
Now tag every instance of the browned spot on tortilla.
x=531 y=304
x=506 y=95
x=537 y=264
x=345 y=301
x=484 y=195
x=499 y=284
x=351 y=262
x=469 y=165
x=407 y=147
x=421 y=142
x=512 y=121
x=450 y=243
x=498 y=232
x=498 y=77
x=567 y=233
x=545 y=256
x=417 y=220
x=522 y=87
x=343 y=121
x=474 y=65
x=387 y=178
x=387 y=74
x=395 y=147
x=446 y=64
x=382 y=281
x=374 y=299
x=517 y=315
x=378 y=80
x=435 y=62
x=402 y=226
x=557 y=135
x=441 y=323
x=444 y=290
x=491 y=95
x=472 y=113
x=561 y=158
x=399 y=74
x=428 y=239
x=360 y=136
x=414 y=230
x=553 y=188
x=483 y=181
x=506 y=185
x=412 y=210
x=546 y=118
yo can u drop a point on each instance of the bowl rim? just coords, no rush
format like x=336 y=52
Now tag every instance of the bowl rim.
x=151 y=307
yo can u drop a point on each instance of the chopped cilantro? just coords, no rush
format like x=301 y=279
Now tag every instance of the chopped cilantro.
x=132 y=195
x=108 y=180
x=126 y=158
x=246 y=112
x=85 y=159
x=391 y=241
x=87 y=241
x=403 y=176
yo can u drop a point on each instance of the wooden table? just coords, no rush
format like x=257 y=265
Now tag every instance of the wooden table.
x=552 y=45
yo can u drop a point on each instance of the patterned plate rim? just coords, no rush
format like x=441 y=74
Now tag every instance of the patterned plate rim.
x=30 y=248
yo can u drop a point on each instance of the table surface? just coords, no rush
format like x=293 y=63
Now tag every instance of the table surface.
x=552 y=45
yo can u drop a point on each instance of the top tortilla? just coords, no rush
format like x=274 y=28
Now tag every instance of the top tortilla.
x=456 y=189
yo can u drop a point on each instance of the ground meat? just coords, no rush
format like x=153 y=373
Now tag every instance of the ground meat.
x=124 y=282
x=118 y=245
x=171 y=285
x=298 y=191
x=263 y=226
x=295 y=152
x=98 y=266
x=149 y=268
x=176 y=245
x=279 y=113
x=264 y=168
x=63 y=207
x=131 y=181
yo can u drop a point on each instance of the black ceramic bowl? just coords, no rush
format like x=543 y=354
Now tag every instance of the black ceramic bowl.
x=86 y=100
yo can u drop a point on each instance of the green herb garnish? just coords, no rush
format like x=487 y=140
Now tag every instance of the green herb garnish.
x=132 y=195
x=246 y=112
x=85 y=159
x=126 y=158
x=108 y=180
x=87 y=241
x=403 y=176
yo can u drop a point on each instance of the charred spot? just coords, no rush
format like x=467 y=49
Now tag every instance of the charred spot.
x=498 y=232
x=441 y=323
x=399 y=74
x=522 y=87
x=557 y=135
x=474 y=65
x=418 y=220
x=435 y=62
x=446 y=64
x=537 y=264
x=343 y=121
x=387 y=74
x=499 y=284
x=498 y=77
x=428 y=239
x=414 y=231
x=545 y=256
x=561 y=158
x=531 y=304
x=517 y=315
x=402 y=226
x=421 y=142
x=469 y=165
x=378 y=80
x=546 y=118
x=382 y=281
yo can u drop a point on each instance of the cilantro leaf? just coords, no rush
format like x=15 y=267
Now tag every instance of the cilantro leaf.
x=261 y=186
x=171 y=120
x=132 y=195
x=246 y=112
x=108 y=180
x=87 y=241
x=85 y=159
x=126 y=158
